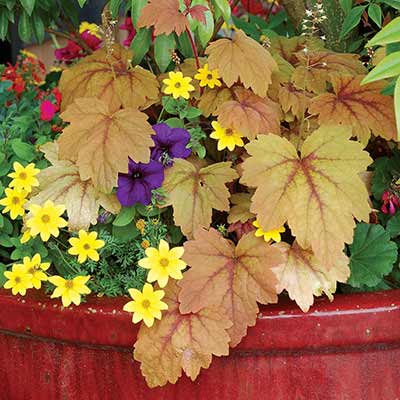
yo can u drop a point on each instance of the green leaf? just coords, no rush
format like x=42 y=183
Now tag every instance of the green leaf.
x=3 y=23
x=389 y=34
x=125 y=216
x=397 y=105
x=149 y=211
x=393 y=226
x=3 y=279
x=163 y=46
x=24 y=27
x=352 y=20
x=175 y=122
x=224 y=8
x=184 y=46
x=136 y=9
x=28 y=6
x=375 y=13
x=388 y=67
x=392 y=3
x=5 y=241
x=81 y=3
x=385 y=169
x=38 y=28
x=23 y=150
x=193 y=112
x=372 y=255
x=140 y=45
x=125 y=233
x=114 y=8
x=346 y=5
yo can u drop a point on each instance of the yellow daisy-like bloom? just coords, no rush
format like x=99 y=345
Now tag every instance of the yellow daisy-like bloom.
x=18 y=280
x=14 y=202
x=24 y=177
x=146 y=305
x=207 y=77
x=46 y=220
x=85 y=246
x=92 y=28
x=69 y=290
x=227 y=137
x=274 y=234
x=35 y=267
x=163 y=263
x=178 y=85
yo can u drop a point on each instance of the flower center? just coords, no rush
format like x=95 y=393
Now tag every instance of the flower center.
x=31 y=270
x=22 y=175
x=69 y=284
x=229 y=132
x=178 y=85
x=15 y=200
x=45 y=219
x=146 y=303
x=209 y=77
x=137 y=175
x=17 y=279
x=86 y=246
x=164 y=262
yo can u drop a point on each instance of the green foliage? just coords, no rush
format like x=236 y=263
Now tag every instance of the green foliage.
x=372 y=255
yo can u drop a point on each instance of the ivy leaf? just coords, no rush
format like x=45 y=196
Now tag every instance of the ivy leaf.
x=231 y=279
x=212 y=99
x=362 y=107
x=228 y=57
x=62 y=184
x=100 y=141
x=194 y=192
x=316 y=68
x=250 y=114
x=372 y=255
x=294 y=100
x=180 y=342
x=304 y=277
x=240 y=211
x=318 y=193
x=198 y=12
x=165 y=16
x=111 y=78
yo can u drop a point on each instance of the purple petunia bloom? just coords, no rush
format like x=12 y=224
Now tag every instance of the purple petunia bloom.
x=137 y=184
x=169 y=143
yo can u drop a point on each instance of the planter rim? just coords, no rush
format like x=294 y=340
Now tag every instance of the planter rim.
x=351 y=320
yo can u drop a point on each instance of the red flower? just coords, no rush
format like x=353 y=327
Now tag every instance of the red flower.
x=390 y=203
x=58 y=97
x=47 y=110
x=128 y=26
x=70 y=52
x=91 y=40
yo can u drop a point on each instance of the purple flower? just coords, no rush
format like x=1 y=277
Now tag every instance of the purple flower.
x=169 y=143
x=137 y=184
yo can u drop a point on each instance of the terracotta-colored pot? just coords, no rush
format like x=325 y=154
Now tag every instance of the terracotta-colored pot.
x=348 y=349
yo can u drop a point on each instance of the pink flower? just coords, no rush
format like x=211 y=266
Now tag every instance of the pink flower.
x=70 y=52
x=47 y=110
x=91 y=40
x=390 y=203
x=128 y=26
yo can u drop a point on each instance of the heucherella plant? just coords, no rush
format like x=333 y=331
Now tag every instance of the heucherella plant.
x=204 y=171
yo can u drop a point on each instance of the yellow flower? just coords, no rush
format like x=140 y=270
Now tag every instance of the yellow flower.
x=274 y=234
x=141 y=225
x=55 y=69
x=163 y=263
x=26 y=236
x=145 y=244
x=207 y=77
x=24 y=177
x=85 y=246
x=46 y=220
x=69 y=290
x=18 y=280
x=146 y=305
x=27 y=53
x=35 y=268
x=14 y=202
x=178 y=85
x=92 y=28
x=226 y=137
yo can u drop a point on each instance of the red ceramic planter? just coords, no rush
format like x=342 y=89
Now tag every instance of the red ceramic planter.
x=348 y=349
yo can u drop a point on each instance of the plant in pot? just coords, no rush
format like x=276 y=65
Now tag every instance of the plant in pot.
x=203 y=167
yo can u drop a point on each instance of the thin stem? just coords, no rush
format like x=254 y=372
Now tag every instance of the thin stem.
x=220 y=22
x=194 y=48
x=270 y=11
